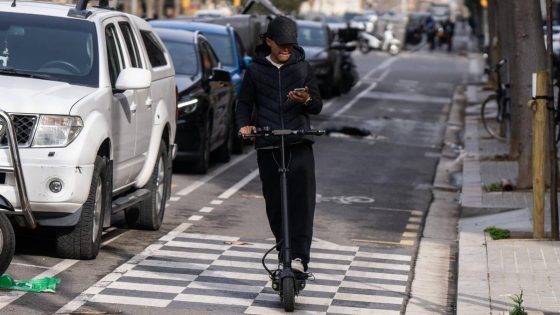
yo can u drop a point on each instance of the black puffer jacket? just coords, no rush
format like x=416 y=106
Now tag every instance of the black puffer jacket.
x=265 y=90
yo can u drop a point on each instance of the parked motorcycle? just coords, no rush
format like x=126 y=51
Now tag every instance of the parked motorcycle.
x=368 y=41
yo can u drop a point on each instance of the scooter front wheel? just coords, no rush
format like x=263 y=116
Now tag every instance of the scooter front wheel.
x=7 y=243
x=288 y=294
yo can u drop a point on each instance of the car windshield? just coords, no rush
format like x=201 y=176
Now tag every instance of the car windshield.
x=222 y=47
x=183 y=56
x=312 y=36
x=51 y=48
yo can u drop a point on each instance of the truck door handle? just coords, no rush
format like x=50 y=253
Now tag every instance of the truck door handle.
x=149 y=102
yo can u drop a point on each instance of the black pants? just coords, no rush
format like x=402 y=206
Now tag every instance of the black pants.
x=301 y=195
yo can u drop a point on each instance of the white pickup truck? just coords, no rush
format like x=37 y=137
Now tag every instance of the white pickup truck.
x=92 y=101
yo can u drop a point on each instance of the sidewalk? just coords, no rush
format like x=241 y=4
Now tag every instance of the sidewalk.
x=490 y=272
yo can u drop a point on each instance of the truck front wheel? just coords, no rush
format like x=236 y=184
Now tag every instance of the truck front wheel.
x=82 y=241
x=7 y=243
x=149 y=213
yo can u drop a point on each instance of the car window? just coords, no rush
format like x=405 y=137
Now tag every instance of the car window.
x=184 y=57
x=131 y=44
x=114 y=53
x=223 y=48
x=155 y=52
x=312 y=36
x=58 y=49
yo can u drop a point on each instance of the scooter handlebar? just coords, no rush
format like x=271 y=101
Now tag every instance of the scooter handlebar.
x=266 y=132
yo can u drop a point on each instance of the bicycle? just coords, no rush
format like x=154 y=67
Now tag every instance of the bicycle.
x=496 y=107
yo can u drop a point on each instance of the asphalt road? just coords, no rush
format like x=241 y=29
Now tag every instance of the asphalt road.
x=373 y=193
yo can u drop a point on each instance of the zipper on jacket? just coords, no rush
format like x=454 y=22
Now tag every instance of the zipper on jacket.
x=280 y=98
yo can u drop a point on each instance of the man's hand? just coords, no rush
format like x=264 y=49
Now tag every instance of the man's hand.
x=246 y=132
x=299 y=97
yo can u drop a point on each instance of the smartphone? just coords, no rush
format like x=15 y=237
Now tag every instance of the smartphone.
x=299 y=90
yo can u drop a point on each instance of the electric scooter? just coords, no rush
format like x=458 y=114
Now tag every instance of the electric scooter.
x=284 y=280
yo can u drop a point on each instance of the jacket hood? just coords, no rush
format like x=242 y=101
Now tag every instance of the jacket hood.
x=25 y=95
x=298 y=55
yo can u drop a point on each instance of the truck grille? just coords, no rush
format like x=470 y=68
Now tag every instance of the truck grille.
x=25 y=126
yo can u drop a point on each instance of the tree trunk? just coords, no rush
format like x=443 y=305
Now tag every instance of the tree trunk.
x=527 y=57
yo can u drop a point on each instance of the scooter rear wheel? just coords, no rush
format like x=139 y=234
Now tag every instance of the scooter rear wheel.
x=288 y=294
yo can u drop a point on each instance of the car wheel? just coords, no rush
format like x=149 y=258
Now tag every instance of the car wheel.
x=149 y=214
x=203 y=162
x=82 y=241
x=7 y=243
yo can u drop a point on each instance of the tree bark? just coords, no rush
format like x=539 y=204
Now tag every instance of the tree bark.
x=527 y=57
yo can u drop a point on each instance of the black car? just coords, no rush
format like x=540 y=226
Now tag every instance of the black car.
x=330 y=60
x=205 y=99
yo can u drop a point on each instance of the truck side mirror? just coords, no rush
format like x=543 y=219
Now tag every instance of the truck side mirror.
x=220 y=75
x=134 y=79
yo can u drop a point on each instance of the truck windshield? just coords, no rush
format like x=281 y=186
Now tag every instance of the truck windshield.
x=50 y=48
x=222 y=47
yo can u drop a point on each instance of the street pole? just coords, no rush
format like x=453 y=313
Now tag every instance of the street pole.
x=538 y=106
x=552 y=129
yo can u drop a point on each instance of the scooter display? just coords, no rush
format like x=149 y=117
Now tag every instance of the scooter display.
x=284 y=280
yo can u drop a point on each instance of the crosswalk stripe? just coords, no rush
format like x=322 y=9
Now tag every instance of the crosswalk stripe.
x=146 y=287
x=320 y=288
x=359 y=311
x=225 y=287
x=160 y=275
x=368 y=298
x=172 y=264
x=235 y=253
x=299 y=299
x=101 y=298
x=376 y=275
x=259 y=310
x=367 y=264
x=331 y=256
x=194 y=298
x=207 y=237
x=196 y=245
x=384 y=256
x=234 y=275
x=186 y=254
x=373 y=286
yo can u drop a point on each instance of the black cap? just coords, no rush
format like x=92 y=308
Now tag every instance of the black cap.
x=282 y=30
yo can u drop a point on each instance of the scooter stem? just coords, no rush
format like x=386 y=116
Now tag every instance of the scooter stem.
x=286 y=254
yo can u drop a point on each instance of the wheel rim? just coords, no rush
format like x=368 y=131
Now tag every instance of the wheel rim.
x=97 y=208
x=160 y=187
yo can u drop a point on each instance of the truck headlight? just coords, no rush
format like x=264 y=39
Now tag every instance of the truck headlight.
x=57 y=131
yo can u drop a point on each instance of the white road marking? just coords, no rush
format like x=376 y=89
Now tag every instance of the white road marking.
x=100 y=298
x=376 y=275
x=300 y=299
x=29 y=265
x=368 y=298
x=174 y=198
x=197 y=245
x=195 y=217
x=233 y=189
x=206 y=209
x=208 y=237
x=216 y=202
x=258 y=310
x=359 y=311
x=192 y=187
x=193 y=298
x=225 y=287
x=51 y=272
x=367 y=264
x=172 y=264
x=361 y=95
x=373 y=286
x=81 y=299
x=384 y=256
x=122 y=285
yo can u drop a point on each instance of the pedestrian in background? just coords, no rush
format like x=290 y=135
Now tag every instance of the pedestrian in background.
x=267 y=90
x=431 y=31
